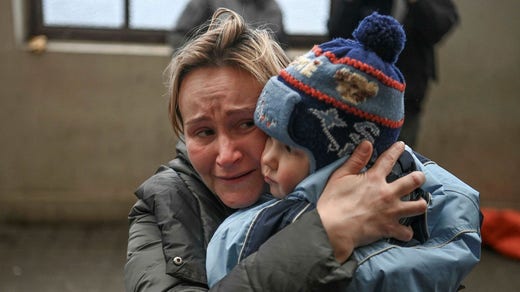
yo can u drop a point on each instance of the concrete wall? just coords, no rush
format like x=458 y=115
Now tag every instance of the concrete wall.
x=472 y=122
x=81 y=130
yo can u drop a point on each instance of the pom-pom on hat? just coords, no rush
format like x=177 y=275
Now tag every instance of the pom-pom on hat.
x=338 y=94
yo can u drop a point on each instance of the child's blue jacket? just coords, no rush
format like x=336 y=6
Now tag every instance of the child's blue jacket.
x=439 y=264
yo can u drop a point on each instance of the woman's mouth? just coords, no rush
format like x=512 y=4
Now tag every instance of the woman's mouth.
x=235 y=178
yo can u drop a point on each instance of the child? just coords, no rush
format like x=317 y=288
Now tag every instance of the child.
x=316 y=112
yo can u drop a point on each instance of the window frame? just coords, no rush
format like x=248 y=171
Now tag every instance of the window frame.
x=126 y=34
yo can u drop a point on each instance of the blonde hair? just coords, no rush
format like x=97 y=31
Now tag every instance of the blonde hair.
x=227 y=41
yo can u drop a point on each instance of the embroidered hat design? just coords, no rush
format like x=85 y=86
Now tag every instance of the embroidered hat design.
x=338 y=94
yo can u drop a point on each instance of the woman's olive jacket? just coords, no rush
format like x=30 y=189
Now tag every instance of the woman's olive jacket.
x=173 y=221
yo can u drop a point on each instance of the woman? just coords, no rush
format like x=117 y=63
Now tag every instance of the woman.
x=215 y=81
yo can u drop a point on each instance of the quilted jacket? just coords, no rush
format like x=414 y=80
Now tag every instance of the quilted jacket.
x=173 y=220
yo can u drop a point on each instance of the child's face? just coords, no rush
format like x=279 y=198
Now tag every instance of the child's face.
x=283 y=167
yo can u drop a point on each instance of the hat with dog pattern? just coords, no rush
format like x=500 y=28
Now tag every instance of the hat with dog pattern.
x=338 y=94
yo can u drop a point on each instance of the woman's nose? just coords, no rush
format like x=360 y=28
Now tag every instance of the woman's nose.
x=228 y=152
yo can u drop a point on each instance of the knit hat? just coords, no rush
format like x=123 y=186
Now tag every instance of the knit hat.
x=338 y=94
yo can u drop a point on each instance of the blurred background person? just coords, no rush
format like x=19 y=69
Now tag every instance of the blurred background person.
x=259 y=13
x=426 y=23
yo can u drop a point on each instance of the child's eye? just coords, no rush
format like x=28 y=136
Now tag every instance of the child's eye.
x=288 y=148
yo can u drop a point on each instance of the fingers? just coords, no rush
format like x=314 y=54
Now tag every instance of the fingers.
x=359 y=158
x=387 y=159
x=412 y=208
x=384 y=165
x=403 y=233
x=360 y=200
x=408 y=183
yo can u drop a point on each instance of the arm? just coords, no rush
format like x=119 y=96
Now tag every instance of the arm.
x=318 y=260
x=309 y=264
x=166 y=245
x=445 y=259
x=173 y=227
x=360 y=209
x=430 y=20
x=145 y=265
x=298 y=258
x=315 y=256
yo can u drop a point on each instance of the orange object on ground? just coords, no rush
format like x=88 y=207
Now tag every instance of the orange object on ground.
x=501 y=231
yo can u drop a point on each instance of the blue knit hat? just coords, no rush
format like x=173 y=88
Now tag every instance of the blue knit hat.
x=338 y=94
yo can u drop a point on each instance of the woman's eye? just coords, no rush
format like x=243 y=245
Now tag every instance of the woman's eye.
x=247 y=124
x=204 y=133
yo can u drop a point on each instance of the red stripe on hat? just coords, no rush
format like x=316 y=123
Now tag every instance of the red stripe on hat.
x=386 y=80
x=338 y=104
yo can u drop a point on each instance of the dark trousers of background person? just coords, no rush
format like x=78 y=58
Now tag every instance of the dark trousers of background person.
x=425 y=22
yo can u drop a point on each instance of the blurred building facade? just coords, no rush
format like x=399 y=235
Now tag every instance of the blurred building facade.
x=81 y=129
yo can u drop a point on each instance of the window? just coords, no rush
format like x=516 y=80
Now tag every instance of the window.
x=150 y=21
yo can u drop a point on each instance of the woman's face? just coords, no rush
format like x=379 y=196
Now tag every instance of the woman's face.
x=223 y=143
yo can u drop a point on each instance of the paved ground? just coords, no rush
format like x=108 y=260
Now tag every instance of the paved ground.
x=91 y=258
x=62 y=258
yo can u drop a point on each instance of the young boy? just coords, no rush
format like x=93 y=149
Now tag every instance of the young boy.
x=316 y=112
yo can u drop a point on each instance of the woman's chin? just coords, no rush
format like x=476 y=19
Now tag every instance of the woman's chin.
x=240 y=194
x=239 y=199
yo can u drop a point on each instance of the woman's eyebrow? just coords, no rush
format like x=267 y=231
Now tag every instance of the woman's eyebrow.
x=238 y=111
x=248 y=110
x=196 y=120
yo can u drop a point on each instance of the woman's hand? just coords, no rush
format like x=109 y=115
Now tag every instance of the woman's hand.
x=360 y=208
